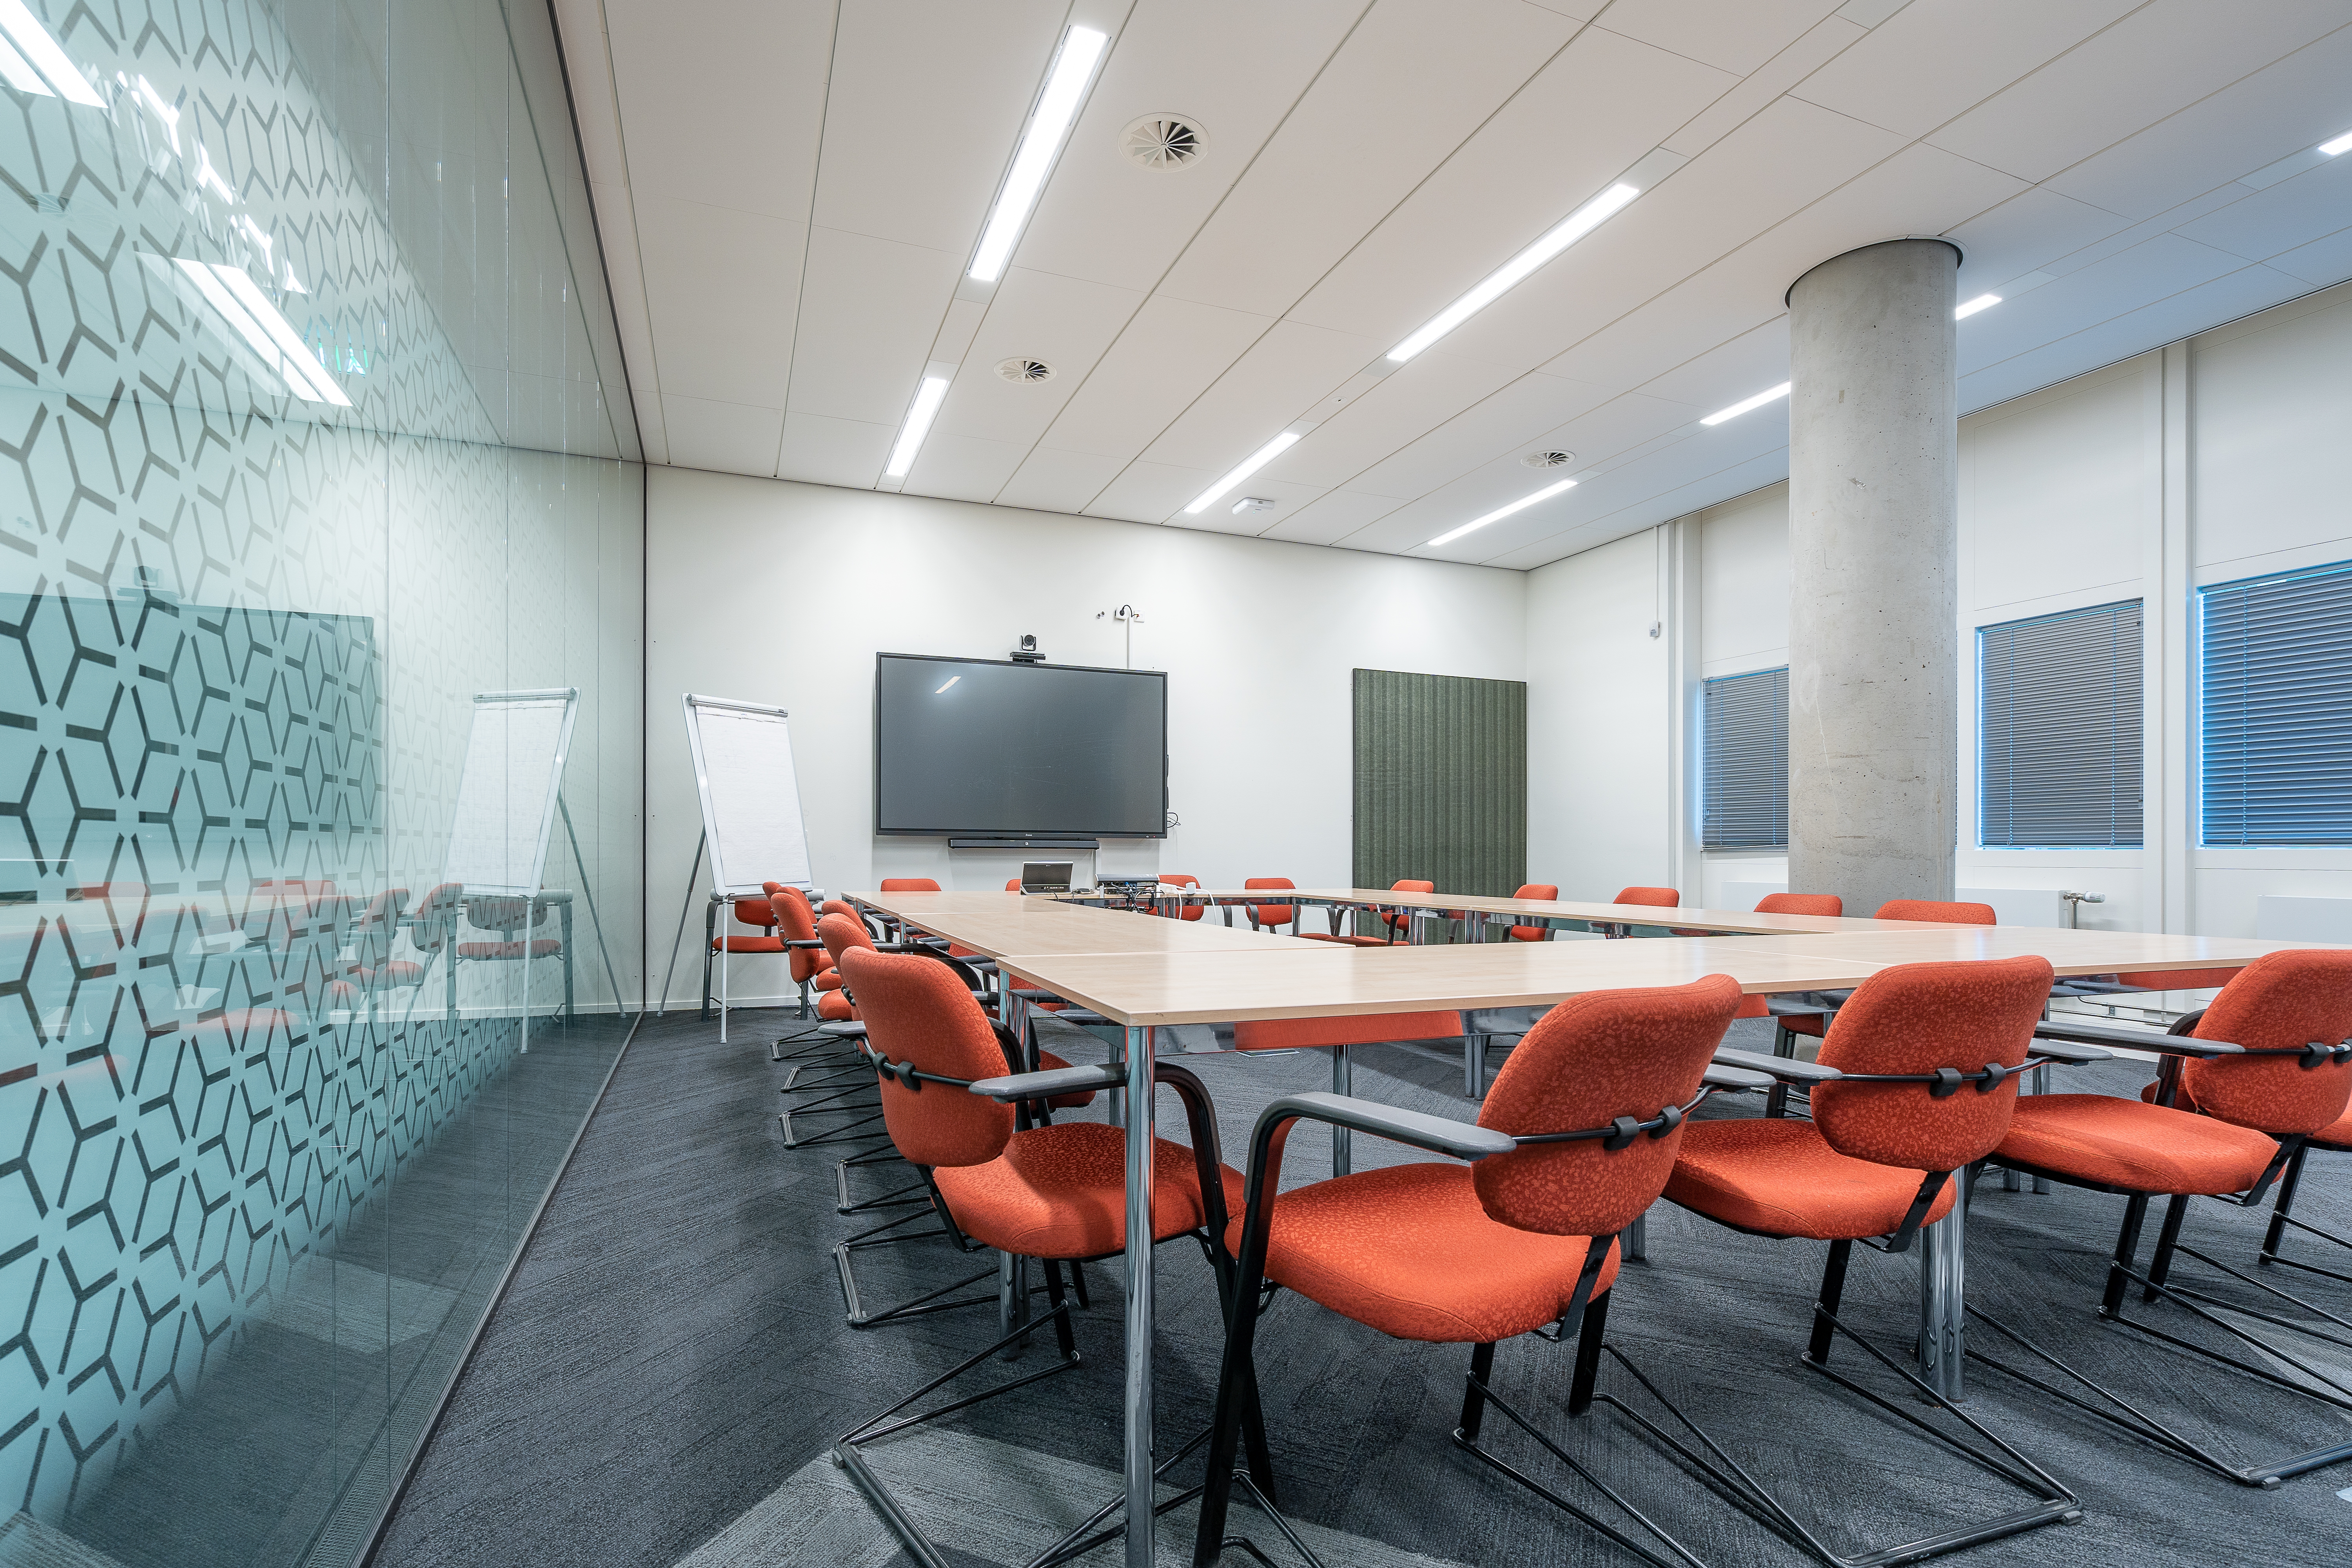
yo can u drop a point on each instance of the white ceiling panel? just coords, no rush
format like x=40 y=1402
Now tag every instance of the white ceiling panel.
x=964 y=468
x=1278 y=378
x=1516 y=419
x=720 y=288
x=2291 y=106
x=1934 y=59
x=1149 y=492
x=1332 y=517
x=1601 y=104
x=1236 y=66
x=2293 y=212
x=727 y=437
x=1427 y=75
x=868 y=311
x=1367 y=159
x=733 y=127
x=2027 y=233
x=1053 y=480
x=1064 y=323
x=2160 y=58
x=1289 y=502
x=926 y=103
x=825 y=451
x=1169 y=353
x=1737 y=38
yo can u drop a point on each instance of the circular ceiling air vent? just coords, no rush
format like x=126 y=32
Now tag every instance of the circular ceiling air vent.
x=1028 y=372
x=1549 y=459
x=1164 y=141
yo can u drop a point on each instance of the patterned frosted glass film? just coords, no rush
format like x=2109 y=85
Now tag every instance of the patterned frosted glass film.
x=310 y=434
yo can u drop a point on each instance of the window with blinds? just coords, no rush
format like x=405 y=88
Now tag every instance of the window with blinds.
x=2275 y=709
x=1744 y=749
x=2058 y=731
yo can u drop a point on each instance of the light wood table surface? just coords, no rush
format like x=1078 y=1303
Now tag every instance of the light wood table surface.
x=1531 y=910
x=1142 y=971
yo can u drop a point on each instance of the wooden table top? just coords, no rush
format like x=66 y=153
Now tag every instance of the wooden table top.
x=1731 y=922
x=1000 y=925
x=1193 y=988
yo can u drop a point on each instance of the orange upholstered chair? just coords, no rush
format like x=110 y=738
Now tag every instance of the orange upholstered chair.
x=2333 y=1139
x=760 y=913
x=1572 y=1147
x=1188 y=910
x=1268 y=917
x=2266 y=1068
x=1055 y=1193
x=1012 y=884
x=909 y=885
x=1547 y=891
x=1915 y=1085
x=1828 y=904
x=1340 y=1036
x=511 y=919
x=1400 y=921
x=1936 y=911
x=795 y=925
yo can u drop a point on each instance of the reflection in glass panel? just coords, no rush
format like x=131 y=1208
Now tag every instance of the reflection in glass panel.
x=320 y=549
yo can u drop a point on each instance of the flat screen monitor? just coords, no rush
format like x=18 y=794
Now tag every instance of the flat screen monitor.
x=990 y=748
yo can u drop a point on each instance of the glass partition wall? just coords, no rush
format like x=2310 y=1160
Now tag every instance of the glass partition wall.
x=321 y=535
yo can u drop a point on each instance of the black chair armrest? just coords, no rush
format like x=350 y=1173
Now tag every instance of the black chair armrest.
x=2133 y=1040
x=1052 y=1083
x=1788 y=1070
x=1438 y=1134
x=2072 y=1053
x=803 y=942
x=1735 y=1077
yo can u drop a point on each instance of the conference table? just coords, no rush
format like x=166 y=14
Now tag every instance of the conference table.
x=1141 y=973
x=1608 y=919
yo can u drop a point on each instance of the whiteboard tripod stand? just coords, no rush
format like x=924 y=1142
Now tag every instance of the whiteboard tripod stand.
x=751 y=824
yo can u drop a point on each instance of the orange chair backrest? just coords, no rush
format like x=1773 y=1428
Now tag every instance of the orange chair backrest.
x=1550 y=891
x=1950 y=914
x=1656 y=898
x=2280 y=1001
x=1271 y=914
x=755 y=912
x=1593 y=1059
x=1361 y=1029
x=1801 y=904
x=2179 y=979
x=916 y=1010
x=1012 y=884
x=840 y=932
x=909 y=885
x=792 y=919
x=1187 y=911
x=1916 y=1018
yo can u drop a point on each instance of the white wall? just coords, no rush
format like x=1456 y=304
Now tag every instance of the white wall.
x=2218 y=458
x=784 y=592
x=1602 y=805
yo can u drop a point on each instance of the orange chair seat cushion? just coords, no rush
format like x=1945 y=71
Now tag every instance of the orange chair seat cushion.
x=1060 y=1191
x=1350 y=940
x=747 y=944
x=826 y=979
x=834 y=1007
x=541 y=947
x=1781 y=1177
x=2337 y=1136
x=1409 y=1251
x=2139 y=1148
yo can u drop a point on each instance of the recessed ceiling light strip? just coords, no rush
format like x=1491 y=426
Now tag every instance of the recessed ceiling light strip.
x=2341 y=144
x=1244 y=470
x=1737 y=409
x=282 y=333
x=1041 y=139
x=920 y=416
x=260 y=327
x=1501 y=512
x=1500 y=281
x=1968 y=308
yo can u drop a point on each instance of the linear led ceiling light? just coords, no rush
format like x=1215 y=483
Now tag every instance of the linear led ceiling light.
x=1040 y=139
x=918 y=425
x=1737 y=409
x=1501 y=512
x=1970 y=307
x=1501 y=280
x=2341 y=144
x=34 y=48
x=262 y=328
x=1241 y=470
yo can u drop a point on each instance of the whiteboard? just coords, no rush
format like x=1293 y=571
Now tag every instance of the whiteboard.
x=506 y=795
x=750 y=796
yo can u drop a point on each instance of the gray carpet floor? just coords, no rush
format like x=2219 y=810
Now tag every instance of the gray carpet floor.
x=663 y=1379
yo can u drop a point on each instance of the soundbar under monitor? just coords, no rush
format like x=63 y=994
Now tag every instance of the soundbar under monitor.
x=987 y=747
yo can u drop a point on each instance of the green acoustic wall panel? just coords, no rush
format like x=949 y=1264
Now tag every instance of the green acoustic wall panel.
x=1440 y=782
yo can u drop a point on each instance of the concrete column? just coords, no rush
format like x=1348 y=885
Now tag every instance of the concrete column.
x=1873 y=624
